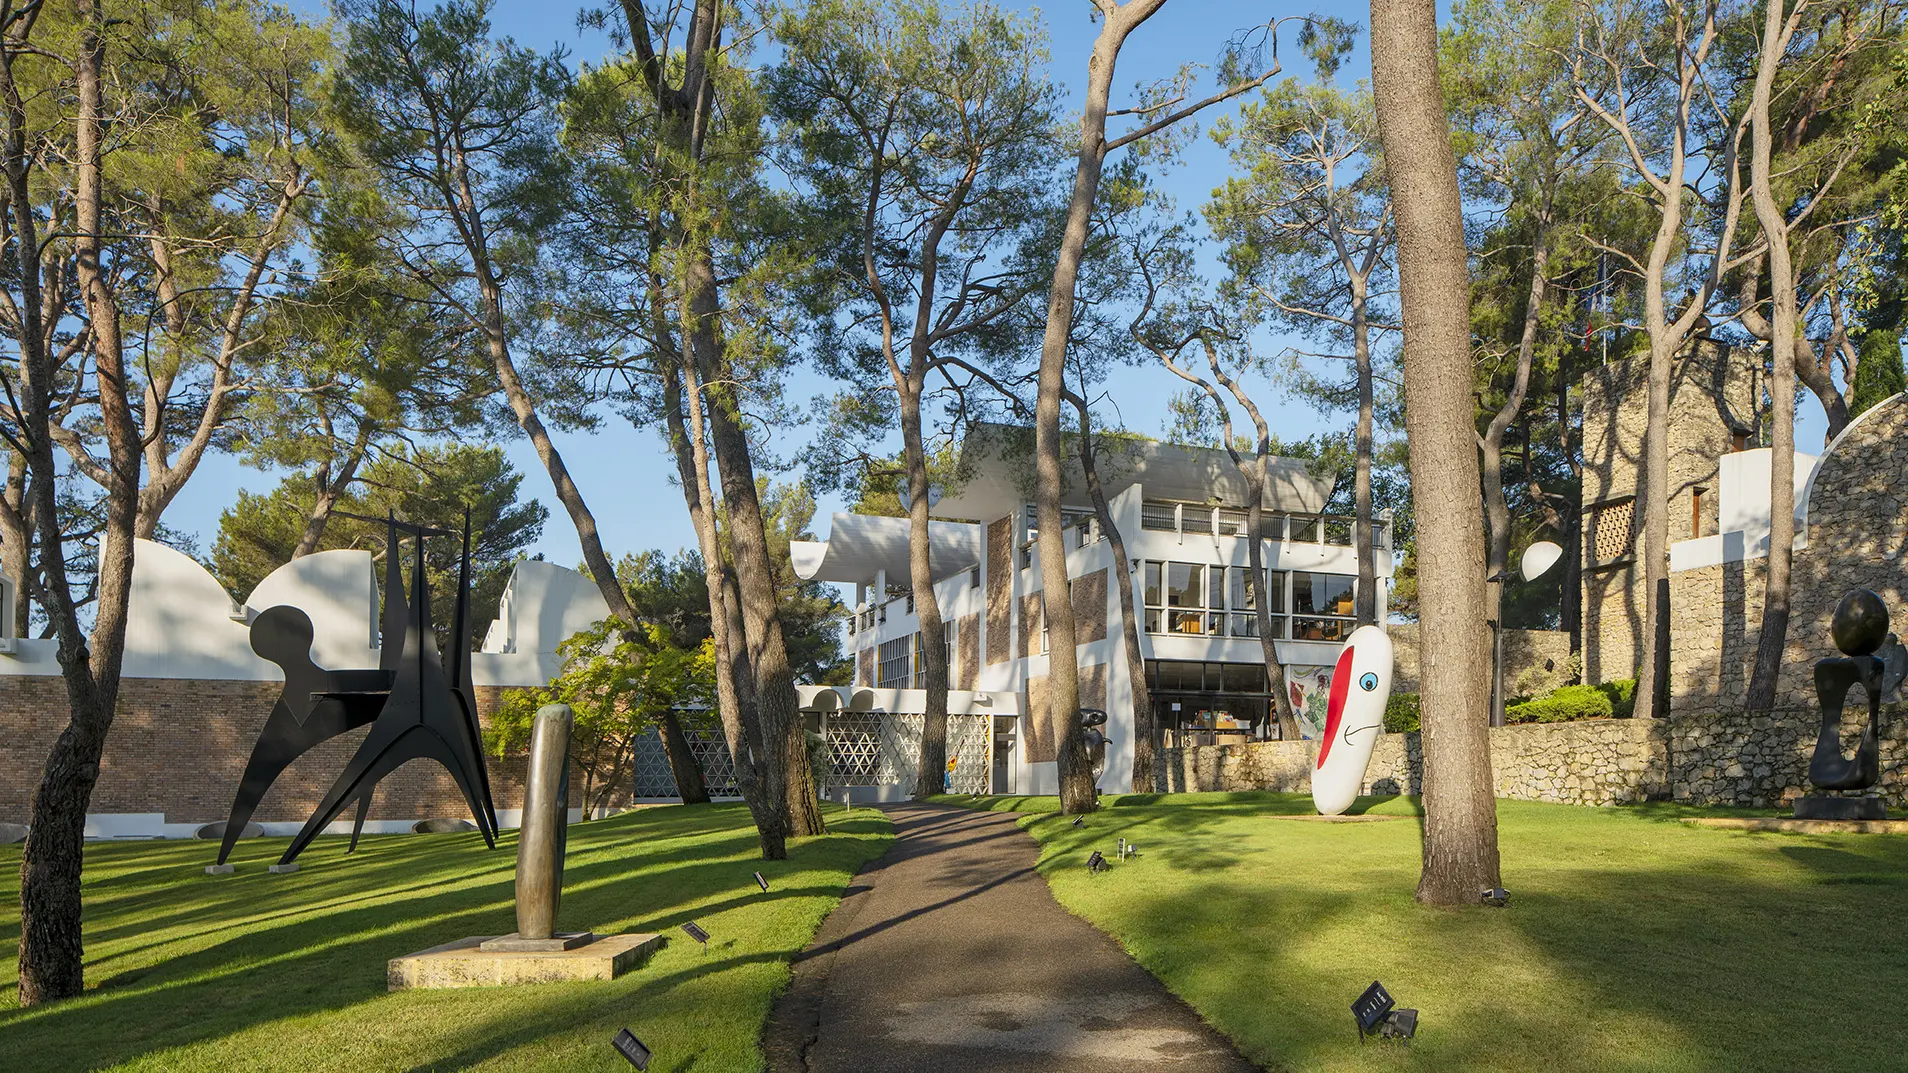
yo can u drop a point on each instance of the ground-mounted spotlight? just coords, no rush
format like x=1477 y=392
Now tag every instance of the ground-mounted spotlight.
x=1097 y=863
x=631 y=1048
x=694 y=931
x=760 y=882
x=1496 y=896
x=1128 y=851
x=1079 y=821
x=1377 y=1015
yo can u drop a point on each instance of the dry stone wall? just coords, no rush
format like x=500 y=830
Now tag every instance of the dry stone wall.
x=1756 y=760
x=1593 y=762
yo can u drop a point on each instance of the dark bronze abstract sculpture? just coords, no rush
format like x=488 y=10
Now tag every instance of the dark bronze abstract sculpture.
x=542 y=840
x=416 y=706
x=1860 y=630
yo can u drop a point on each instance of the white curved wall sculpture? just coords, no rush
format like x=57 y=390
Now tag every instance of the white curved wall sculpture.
x=1354 y=717
x=339 y=591
x=181 y=623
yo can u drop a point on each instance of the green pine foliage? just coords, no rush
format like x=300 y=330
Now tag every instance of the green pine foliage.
x=1878 y=371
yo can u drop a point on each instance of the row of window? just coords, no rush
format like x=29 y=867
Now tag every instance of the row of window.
x=1182 y=518
x=901 y=663
x=1206 y=600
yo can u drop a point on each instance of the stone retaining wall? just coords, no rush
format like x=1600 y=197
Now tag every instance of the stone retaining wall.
x=1593 y=762
x=1699 y=758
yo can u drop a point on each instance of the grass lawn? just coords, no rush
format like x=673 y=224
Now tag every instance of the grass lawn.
x=262 y=972
x=1632 y=941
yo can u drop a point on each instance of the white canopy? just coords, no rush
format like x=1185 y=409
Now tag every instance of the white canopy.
x=858 y=545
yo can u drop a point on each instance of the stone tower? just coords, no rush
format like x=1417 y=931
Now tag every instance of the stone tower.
x=1715 y=408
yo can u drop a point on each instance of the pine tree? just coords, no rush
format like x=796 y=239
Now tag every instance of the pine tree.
x=1878 y=371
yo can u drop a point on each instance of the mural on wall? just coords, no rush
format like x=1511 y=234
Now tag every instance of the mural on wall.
x=1354 y=717
x=1311 y=688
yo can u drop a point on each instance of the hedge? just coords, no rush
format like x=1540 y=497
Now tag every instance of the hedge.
x=1562 y=705
x=1622 y=694
x=1401 y=714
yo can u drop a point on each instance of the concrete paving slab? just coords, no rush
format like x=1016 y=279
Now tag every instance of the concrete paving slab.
x=949 y=953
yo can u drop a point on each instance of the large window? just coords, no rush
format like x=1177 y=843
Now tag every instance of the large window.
x=1216 y=601
x=894 y=664
x=901 y=664
x=1323 y=606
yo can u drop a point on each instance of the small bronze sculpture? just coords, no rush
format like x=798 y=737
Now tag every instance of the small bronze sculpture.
x=542 y=840
x=1860 y=630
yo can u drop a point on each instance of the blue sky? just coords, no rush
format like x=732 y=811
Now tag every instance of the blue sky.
x=624 y=472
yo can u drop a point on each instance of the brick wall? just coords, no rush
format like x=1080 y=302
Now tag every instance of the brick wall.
x=179 y=747
x=967 y=651
x=1000 y=572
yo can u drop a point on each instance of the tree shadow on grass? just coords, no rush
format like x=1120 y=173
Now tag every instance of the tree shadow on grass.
x=328 y=952
x=1695 y=955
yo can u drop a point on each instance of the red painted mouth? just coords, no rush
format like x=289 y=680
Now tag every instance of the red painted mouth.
x=1335 y=704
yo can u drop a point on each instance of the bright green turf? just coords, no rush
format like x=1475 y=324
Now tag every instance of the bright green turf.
x=261 y=972
x=1633 y=942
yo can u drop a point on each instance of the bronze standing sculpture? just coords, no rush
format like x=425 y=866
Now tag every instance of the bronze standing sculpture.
x=1872 y=658
x=416 y=704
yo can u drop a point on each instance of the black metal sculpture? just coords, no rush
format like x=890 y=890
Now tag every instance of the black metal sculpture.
x=1860 y=630
x=1091 y=720
x=415 y=704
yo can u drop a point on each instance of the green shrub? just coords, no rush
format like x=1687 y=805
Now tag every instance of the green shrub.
x=1401 y=714
x=1561 y=706
x=1622 y=696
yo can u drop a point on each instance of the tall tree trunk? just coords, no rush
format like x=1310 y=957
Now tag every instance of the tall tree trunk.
x=1255 y=475
x=740 y=728
x=927 y=606
x=1571 y=530
x=784 y=737
x=1460 y=821
x=16 y=538
x=1783 y=327
x=51 y=959
x=1063 y=667
x=1145 y=719
x=1367 y=597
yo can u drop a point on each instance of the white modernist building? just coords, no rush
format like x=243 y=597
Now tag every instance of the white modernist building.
x=1178 y=511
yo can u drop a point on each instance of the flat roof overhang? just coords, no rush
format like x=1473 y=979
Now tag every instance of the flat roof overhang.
x=859 y=545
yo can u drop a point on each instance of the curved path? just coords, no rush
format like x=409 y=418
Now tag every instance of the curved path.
x=949 y=953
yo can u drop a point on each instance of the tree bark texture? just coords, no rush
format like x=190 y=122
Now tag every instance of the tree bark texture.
x=1783 y=328
x=51 y=961
x=1460 y=822
x=1145 y=718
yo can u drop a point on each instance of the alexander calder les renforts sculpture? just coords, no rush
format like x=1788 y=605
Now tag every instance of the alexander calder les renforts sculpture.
x=416 y=705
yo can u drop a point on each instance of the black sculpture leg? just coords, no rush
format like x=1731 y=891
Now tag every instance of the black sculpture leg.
x=277 y=746
x=364 y=809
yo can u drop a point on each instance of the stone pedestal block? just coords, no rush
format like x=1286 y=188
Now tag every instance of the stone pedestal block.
x=1839 y=808
x=465 y=964
x=220 y=869
x=515 y=942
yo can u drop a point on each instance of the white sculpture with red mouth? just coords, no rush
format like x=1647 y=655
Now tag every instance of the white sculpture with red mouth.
x=1354 y=717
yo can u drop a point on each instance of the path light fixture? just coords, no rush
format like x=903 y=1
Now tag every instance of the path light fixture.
x=694 y=931
x=760 y=882
x=1537 y=559
x=1377 y=1015
x=1496 y=896
x=631 y=1048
